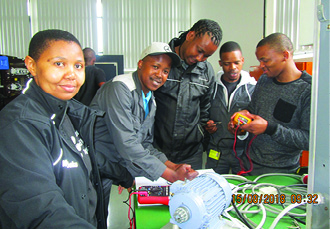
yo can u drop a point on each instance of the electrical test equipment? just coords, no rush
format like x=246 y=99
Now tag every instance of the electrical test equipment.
x=240 y=119
x=13 y=78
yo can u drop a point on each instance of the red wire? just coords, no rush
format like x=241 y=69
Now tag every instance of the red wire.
x=247 y=154
x=131 y=222
x=234 y=148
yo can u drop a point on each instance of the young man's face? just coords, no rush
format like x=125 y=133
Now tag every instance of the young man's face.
x=153 y=71
x=60 y=69
x=196 y=48
x=231 y=63
x=271 y=61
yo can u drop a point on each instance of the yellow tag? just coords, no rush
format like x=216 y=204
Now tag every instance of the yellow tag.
x=214 y=154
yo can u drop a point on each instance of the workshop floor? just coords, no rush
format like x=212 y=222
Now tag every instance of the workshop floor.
x=118 y=211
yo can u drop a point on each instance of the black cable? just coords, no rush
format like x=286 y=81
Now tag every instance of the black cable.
x=221 y=139
x=240 y=215
x=294 y=185
x=279 y=192
x=218 y=146
x=126 y=202
x=293 y=217
x=133 y=212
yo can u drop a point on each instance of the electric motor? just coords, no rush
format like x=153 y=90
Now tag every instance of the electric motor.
x=199 y=203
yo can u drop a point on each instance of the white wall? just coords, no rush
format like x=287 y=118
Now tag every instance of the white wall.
x=306 y=22
x=240 y=20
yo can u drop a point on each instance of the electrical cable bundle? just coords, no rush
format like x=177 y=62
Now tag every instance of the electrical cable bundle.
x=252 y=197
x=249 y=197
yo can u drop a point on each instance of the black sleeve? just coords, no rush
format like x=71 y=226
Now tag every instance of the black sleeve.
x=114 y=171
x=100 y=76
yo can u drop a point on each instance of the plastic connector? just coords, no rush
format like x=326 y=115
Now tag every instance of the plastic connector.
x=304 y=178
x=268 y=190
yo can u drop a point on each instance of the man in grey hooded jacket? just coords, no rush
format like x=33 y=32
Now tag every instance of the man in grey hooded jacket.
x=232 y=92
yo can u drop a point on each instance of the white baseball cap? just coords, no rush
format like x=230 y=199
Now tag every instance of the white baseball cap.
x=159 y=48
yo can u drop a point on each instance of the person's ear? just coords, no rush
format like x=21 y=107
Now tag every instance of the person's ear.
x=242 y=60
x=140 y=63
x=220 y=63
x=286 y=54
x=31 y=65
x=190 y=35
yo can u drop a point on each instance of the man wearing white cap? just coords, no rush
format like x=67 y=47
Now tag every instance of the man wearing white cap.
x=125 y=135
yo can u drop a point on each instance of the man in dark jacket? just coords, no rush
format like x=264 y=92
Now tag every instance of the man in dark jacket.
x=183 y=102
x=49 y=172
x=94 y=78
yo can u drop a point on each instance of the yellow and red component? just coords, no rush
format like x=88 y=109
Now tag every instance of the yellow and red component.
x=240 y=119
